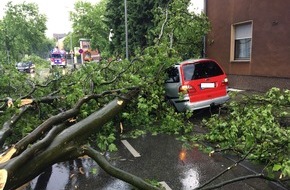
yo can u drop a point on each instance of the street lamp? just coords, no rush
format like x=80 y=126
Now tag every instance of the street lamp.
x=71 y=51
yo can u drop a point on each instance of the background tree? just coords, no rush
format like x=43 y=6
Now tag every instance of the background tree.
x=43 y=48
x=88 y=22
x=140 y=21
x=183 y=30
x=25 y=18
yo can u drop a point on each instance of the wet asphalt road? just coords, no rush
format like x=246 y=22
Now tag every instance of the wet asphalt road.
x=162 y=159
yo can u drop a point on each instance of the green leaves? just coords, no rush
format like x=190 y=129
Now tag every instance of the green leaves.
x=89 y=22
x=156 y=22
x=182 y=30
x=107 y=142
x=25 y=18
x=256 y=121
x=276 y=167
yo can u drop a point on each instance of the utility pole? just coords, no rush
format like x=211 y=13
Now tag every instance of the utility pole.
x=126 y=30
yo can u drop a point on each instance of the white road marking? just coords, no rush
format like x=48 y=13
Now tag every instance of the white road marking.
x=130 y=148
x=164 y=184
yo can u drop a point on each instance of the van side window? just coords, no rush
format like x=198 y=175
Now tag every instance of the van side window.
x=188 y=71
x=172 y=75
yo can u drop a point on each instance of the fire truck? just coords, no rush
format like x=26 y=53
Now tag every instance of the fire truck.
x=58 y=58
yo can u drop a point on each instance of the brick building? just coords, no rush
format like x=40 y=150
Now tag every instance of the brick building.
x=251 y=40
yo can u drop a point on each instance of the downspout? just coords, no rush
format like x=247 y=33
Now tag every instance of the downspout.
x=204 y=37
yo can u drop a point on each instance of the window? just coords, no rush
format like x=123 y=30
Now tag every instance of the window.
x=58 y=56
x=188 y=71
x=242 y=41
x=172 y=75
x=55 y=55
x=206 y=70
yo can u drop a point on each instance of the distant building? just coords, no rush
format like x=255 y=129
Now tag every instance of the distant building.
x=251 y=40
x=59 y=36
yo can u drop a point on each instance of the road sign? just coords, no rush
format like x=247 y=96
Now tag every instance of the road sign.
x=81 y=51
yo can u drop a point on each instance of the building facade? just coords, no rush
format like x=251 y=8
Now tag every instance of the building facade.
x=251 y=40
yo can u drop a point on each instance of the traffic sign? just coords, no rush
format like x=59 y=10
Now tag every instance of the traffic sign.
x=81 y=51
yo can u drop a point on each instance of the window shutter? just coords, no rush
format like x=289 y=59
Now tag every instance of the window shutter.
x=243 y=31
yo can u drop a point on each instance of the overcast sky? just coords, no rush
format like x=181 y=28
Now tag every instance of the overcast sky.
x=57 y=12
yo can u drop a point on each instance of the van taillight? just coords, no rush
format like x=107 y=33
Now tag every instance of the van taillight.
x=225 y=82
x=185 y=88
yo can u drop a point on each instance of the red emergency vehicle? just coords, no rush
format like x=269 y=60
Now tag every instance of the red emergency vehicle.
x=58 y=58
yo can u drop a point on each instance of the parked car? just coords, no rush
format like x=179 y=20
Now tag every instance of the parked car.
x=195 y=84
x=27 y=67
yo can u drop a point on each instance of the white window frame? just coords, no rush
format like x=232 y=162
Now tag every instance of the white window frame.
x=241 y=32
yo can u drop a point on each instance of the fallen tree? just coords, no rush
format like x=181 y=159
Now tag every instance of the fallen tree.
x=61 y=144
x=51 y=120
x=56 y=139
x=48 y=120
x=254 y=126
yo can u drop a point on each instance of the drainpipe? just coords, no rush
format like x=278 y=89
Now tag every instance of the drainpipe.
x=204 y=37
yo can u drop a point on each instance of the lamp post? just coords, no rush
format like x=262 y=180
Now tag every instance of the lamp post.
x=71 y=52
x=126 y=29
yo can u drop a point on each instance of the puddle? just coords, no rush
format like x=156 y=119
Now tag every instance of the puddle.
x=82 y=174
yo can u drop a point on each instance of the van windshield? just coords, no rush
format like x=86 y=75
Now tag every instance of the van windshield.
x=57 y=55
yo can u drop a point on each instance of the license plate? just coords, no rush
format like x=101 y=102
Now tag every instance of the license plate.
x=207 y=85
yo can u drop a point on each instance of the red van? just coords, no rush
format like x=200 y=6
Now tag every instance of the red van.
x=195 y=84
